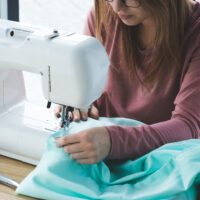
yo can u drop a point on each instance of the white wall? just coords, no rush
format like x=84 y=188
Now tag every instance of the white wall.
x=62 y=14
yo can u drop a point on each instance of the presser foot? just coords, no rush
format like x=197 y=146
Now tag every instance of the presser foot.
x=66 y=116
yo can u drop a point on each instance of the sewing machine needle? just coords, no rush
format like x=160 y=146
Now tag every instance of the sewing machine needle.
x=7 y=181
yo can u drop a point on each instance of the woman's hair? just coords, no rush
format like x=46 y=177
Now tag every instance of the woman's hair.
x=171 y=18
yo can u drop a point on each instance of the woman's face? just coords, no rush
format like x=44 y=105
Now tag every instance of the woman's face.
x=129 y=15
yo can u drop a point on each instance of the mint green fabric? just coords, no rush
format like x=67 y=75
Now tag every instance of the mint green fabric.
x=169 y=172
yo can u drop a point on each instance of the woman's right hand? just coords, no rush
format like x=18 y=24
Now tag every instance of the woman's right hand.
x=78 y=115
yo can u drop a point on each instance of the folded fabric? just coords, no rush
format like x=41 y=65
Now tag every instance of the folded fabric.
x=169 y=172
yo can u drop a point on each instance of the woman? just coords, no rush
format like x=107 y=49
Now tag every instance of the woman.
x=154 y=77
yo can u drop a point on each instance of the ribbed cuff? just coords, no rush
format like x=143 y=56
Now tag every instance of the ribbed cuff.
x=115 y=142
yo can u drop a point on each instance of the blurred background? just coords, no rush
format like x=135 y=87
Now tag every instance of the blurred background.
x=69 y=15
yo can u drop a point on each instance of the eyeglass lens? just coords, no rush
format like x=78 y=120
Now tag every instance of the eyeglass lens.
x=129 y=3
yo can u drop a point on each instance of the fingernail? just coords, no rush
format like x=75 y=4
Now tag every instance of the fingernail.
x=76 y=118
x=56 y=138
x=84 y=117
x=58 y=145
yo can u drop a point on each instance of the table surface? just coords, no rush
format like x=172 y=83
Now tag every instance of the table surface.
x=17 y=171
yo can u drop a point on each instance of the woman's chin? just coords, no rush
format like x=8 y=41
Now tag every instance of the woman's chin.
x=129 y=23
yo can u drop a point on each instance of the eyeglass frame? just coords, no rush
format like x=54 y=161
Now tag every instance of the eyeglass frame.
x=123 y=1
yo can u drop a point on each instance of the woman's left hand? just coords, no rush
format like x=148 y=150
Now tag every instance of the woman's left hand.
x=87 y=147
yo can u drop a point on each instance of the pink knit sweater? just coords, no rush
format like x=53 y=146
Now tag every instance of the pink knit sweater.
x=171 y=111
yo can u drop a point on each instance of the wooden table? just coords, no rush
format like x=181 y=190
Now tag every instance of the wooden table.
x=17 y=171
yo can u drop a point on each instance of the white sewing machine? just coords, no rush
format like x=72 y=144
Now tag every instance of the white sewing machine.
x=74 y=71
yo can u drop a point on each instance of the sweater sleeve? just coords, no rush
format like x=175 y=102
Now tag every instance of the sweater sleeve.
x=133 y=142
x=89 y=28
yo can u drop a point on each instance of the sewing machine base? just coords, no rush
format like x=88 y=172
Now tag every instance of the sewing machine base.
x=24 y=130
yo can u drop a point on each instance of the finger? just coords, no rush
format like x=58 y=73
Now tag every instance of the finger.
x=84 y=116
x=57 y=110
x=83 y=155
x=79 y=155
x=76 y=115
x=94 y=112
x=73 y=148
x=68 y=139
x=87 y=161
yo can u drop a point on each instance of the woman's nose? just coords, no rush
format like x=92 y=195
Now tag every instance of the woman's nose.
x=117 y=5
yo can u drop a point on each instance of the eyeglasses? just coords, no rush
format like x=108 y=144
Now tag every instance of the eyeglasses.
x=129 y=3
